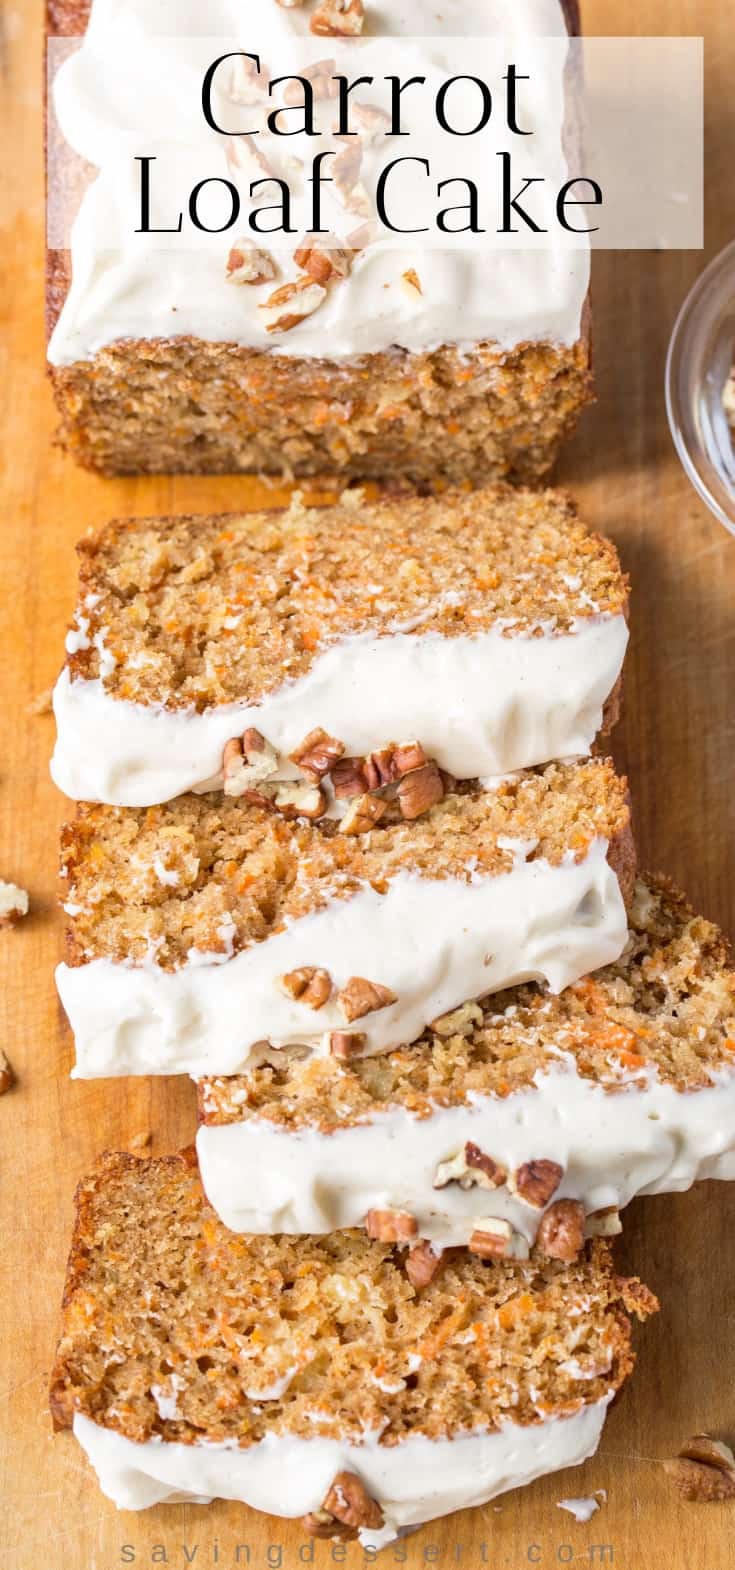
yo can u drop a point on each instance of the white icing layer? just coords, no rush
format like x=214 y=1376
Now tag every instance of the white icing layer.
x=414 y=1481
x=482 y=705
x=130 y=91
x=612 y=1146
x=435 y=943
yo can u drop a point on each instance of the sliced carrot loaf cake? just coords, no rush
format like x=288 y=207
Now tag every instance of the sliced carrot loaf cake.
x=311 y=1378
x=359 y=359
x=525 y=1116
x=203 y=927
x=489 y=626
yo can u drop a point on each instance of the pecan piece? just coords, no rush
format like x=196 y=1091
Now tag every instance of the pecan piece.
x=387 y=765
x=391 y=1226
x=13 y=903
x=317 y=753
x=248 y=263
x=323 y=85
x=300 y=801
x=247 y=761
x=493 y=1238
x=536 y=1182
x=359 y=996
x=7 y=1074
x=561 y=1230
x=470 y=1168
x=348 y=778
x=411 y=284
x=704 y=1470
x=347 y=183
x=346 y=1044
x=349 y=1501
x=291 y=304
x=338 y=18
x=323 y=258
x=422 y=1264
x=362 y=814
x=321 y=1523
x=309 y=984
x=603 y=1223
x=419 y=790
x=368 y=121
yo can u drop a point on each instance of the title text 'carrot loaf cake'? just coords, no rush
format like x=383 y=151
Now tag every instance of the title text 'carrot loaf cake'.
x=311 y=1378
x=524 y=1117
x=490 y=626
x=203 y=927
x=352 y=358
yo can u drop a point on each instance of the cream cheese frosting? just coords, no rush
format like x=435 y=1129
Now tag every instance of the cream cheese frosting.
x=124 y=286
x=482 y=705
x=416 y=1480
x=613 y=1146
x=434 y=942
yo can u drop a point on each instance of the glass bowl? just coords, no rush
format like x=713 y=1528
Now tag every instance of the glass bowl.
x=700 y=358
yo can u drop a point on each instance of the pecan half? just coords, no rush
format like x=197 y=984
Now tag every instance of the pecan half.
x=419 y=790
x=391 y=1226
x=7 y=1075
x=291 y=304
x=422 y=1264
x=362 y=814
x=561 y=1230
x=247 y=263
x=704 y=1470
x=295 y=800
x=246 y=761
x=470 y=1168
x=323 y=258
x=317 y=753
x=536 y=1182
x=338 y=18
x=308 y=985
x=349 y=1501
x=493 y=1238
x=348 y=778
x=346 y=1044
x=359 y=996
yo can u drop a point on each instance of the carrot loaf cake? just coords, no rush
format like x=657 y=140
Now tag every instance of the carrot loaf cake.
x=357 y=360
x=506 y=1117
x=311 y=1378
x=205 y=926
x=491 y=626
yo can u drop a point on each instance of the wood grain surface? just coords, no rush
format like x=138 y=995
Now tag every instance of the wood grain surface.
x=676 y=741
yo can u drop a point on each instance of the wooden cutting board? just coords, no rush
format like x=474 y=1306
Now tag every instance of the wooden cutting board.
x=677 y=741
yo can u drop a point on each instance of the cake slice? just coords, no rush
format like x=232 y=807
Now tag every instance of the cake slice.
x=504 y=1118
x=310 y=1378
x=201 y=928
x=489 y=626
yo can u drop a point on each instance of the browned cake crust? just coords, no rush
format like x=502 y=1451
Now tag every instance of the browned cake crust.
x=666 y=1006
x=182 y=405
x=156 y=1287
x=260 y=870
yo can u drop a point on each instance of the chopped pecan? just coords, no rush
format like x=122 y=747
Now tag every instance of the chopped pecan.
x=391 y=1226
x=360 y=238
x=321 y=74
x=323 y=258
x=704 y=1470
x=13 y=904
x=352 y=194
x=291 y=304
x=388 y=765
x=309 y=984
x=470 y=1168
x=422 y=1264
x=603 y=1223
x=359 y=996
x=536 y=1182
x=493 y=1238
x=362 y=814
x=349 y=1500
x=321 y=1523
x=246 y=761
x=338 y=18
x=346 y=1044
x=419 y=790
x=411 y=284
x=348 y=778
x=368 y=121
x=7 y=1075
x=561 y=1230
x=243 y=155
x=247 y=263
x=247 y=84
x=459 y=1022
x=317 y=753
x=295 y=800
